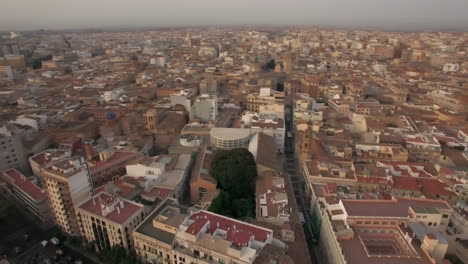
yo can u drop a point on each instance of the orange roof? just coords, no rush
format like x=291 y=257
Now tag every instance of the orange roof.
x=25 y=184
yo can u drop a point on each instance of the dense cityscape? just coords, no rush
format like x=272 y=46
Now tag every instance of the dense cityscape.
x=234 y=145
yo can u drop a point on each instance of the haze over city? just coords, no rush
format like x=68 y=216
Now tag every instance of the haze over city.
x=233 y=132
x=373 y=14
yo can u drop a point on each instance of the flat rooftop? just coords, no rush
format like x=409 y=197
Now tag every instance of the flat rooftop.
x=391 y=208
x=147 y=228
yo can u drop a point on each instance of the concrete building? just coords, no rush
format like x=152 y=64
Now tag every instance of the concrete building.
x=184 y=98
x=372 y=153
x=46 y=157
x=208 y=86
x=7 y=73
x=108 y=220
x=68 y=184
x=448 y=100
x=26 y=191
x=264 y=97
x=380 y=231
x=12 y=154
x=423 y=148
x=274 y=127
x=168 y=172
x=263 y=149
x=272 y=204
x=208 y=51
x=176 y=234
x=110 y=166
x=158 y=61
x=341 y=108
x=229 y=138
x=458 y=225
x=271 y=111
x=204 y=108
x=201 y=181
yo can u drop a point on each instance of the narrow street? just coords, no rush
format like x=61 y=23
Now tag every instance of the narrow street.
x=292 y=167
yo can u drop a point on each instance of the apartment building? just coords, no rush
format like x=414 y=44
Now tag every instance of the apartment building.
x=173 y=233
x=423 y=148
x=341 y=108
x=339 y=172
x=110 y=166
x=26 y=191
x=12 y=153
x=380 y=231
x=447 y=100
x=264 y=97
x=68 y=183
x=46 y=157
x=204 y=108
x=108 y=220
x=372 y=153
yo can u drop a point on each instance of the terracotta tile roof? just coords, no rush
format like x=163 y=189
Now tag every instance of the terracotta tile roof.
x=116 y=158
x=27 y=185
x=239 y=233
x=405 y=183
x=126 y=209
x=157 y=192
x=266 y=155
x=389 y=208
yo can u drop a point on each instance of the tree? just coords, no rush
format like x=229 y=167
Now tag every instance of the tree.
x=222 y=204
x=270 y=65
x=235 y=172
x=117 y=255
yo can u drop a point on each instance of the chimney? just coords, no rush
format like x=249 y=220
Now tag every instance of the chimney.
x=94 y=201
x=122 y=203
x=118 y=209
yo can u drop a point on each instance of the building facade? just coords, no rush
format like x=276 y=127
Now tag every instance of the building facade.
x=26 y=191
x=68 y=184
x=108 y=220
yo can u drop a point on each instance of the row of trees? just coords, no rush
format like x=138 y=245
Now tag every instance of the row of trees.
x=236 y=172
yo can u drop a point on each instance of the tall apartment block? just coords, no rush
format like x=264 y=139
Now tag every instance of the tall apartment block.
x=68 y=184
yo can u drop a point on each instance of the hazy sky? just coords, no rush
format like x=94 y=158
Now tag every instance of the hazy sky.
x=390 y=14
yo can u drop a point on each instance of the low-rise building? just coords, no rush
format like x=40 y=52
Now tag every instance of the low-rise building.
x=373 y=153
x=423 y=148
x=168 y=172
x=201 y=181
x=110 y=166
x=26 y=191
x=271 y=198
x=173 y=233
x=230 y=138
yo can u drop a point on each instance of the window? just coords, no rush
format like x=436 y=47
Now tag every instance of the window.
x=444 y=216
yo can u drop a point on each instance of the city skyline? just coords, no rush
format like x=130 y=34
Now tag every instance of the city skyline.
x=397 y=15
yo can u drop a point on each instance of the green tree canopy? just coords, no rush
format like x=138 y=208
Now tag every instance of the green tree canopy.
x=235 y=172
